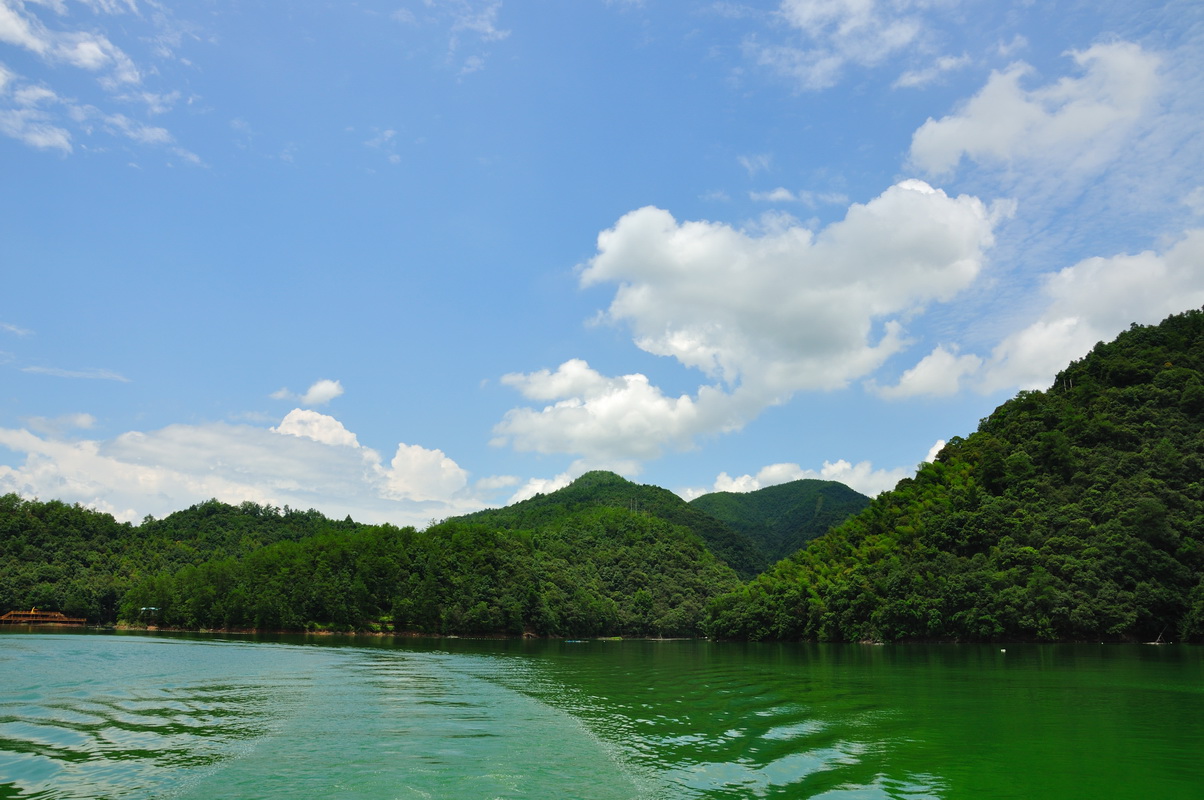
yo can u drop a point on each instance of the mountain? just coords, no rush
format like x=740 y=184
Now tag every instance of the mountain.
x=1076 y=513
x=608 y=490
x=782 y=519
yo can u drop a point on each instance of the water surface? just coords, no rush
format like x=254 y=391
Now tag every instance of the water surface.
x=89 y=715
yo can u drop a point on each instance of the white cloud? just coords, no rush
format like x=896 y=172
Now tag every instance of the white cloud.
x=44 y=118
x=939 y=374
x=1076 y=123
x=1092 y=301
x=764 y=316
x=318 y=427
x=790 y=309
x=307 y=461
x=839 y=33
x=914 y=79
x=319 y=393
x=33 y=128
x=83 y=49
x=606 y=418
x=416 y=473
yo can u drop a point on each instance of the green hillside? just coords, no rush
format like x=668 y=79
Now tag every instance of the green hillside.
x=579 y=568
x=1076 y=513
x=81 y=562
x=782 y=519
x=608 y=490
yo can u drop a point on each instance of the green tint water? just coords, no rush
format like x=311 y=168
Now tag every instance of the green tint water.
x=108 y=716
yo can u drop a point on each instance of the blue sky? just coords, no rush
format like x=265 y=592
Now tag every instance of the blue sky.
x=405 y=260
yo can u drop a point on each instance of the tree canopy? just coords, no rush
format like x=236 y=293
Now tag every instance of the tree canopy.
x=1071 y=514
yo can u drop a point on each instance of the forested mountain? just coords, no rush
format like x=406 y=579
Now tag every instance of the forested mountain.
x=782 y=519
x=595 y=571
x=81 y=562
x=606 y=489
x=577 y=567
x=1076 y=513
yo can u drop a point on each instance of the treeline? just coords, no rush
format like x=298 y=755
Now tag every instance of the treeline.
x=591 y=570
x=1071 y=514
x=67 y=558
x=600 y=572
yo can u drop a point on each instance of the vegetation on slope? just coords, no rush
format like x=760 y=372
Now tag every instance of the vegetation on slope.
x=606 y=489
x=598 y=571
x=782 y=519
x=67 y=558
x=580 y=568
x=1075 y=513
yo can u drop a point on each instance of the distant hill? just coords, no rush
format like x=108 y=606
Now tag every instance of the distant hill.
x=68 y=558
x=781 y=519
x=600 y=489
x=1076 y=513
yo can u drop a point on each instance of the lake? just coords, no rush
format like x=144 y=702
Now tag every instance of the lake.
x=122 y=715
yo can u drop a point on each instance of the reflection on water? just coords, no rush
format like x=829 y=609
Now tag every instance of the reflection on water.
x=92 y=716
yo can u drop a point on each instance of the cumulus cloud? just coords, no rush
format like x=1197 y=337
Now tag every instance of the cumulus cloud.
x=1092 y=301
x=1078 y=123
x=939 y=374
x=790 y=309
x=308 y=461
x=762 y=316
x=317 y=427
x=318 y=394
x=836 y=34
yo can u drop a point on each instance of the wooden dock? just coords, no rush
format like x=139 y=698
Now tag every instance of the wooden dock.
x=36 y=617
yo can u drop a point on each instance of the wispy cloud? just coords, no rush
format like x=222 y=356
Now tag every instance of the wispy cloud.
x=87 y=374
x=46 y=118
x=830 y=36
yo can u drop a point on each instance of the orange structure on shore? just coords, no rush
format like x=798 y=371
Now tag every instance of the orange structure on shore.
x=35 y=617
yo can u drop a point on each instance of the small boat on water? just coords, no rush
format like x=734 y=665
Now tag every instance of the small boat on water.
x=36 y=617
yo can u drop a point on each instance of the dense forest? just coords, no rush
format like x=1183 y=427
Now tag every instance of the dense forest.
x=1071 y=514
x=603 y=556
x=1076 y=513
x=782 y=519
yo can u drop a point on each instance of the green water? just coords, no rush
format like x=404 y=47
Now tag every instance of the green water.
x=130 y=716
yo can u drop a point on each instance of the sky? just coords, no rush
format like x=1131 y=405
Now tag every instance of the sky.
x=404 y=260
